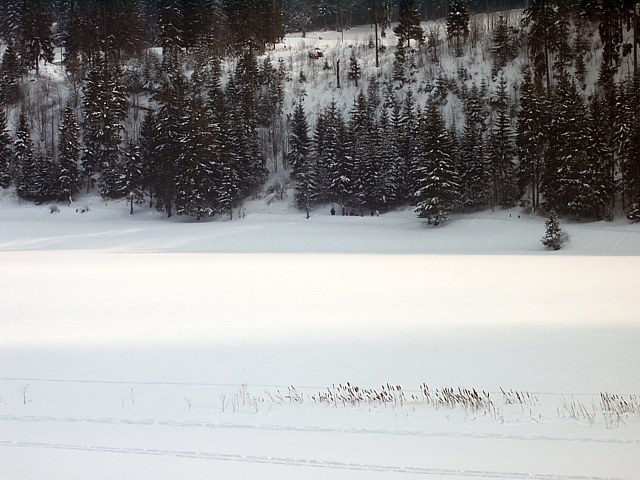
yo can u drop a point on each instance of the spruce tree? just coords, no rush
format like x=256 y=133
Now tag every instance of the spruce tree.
x=540 y=17
x=172 y=98
x=458 y=24
x=300 y=159
x=554 y=236
x=195 y=168
x=23 y=147
x=408 y=27
x=501 y=151
x=502 y=45
x=148 y=143
x=436 y=189
x=531 y=139
x=69 y=155
x=132 y=180
x=6 y=154
x=35 y=35
x=355 y=71
x=10 y=73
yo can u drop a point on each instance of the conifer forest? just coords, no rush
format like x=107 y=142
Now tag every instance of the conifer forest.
x=192 y=106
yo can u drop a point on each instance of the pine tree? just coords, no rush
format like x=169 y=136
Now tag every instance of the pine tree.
x=195 y=169
x=502 y=45
x=540 y=17
x=10 y=19
x=227 y=181
x=5 y=152
x=35 y=36
x=389 y=178
x=531 y=139
x=172 y=98
x=458 y=24
x=501 y=151
x=105 y=107
x=299 y=158
x=171 y=27
x=36 y=175
x=408 y=27
x=437 y=186
x=10 y=74
x=69 y=155
x=569 y=179
x=399 y=63
x=132 y=179
x=339 y=163
x=554 y=236
x=23 y=147
x=354 y=68
x=148 y=144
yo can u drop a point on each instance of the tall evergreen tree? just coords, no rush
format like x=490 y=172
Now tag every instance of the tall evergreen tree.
x=501 y=151
x=458 y=24
x=10 y=73
x=531 y=138
x=195 y=172
x=408 y=27
x=69 y=155
x=540 y=17
x=104 y=107
x=5 y=152
x=437 y=186
x=300 y=158
x=503 y=48
x=35 y=35
x=172 y=98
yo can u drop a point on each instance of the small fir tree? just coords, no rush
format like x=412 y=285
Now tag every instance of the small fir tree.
x=554 y=236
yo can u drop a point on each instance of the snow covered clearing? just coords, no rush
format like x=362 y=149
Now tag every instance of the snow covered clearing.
x=136 y=347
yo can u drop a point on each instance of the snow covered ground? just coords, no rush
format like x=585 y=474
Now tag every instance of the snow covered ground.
x=135 y=347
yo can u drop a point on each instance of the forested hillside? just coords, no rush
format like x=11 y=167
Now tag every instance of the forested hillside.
x=192 y=106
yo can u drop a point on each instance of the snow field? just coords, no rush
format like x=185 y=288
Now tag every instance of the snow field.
x=140 y=347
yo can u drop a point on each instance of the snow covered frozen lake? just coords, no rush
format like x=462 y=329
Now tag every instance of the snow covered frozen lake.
x=136 y=347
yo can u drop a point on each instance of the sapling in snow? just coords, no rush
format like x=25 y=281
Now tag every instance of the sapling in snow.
x=554 y=237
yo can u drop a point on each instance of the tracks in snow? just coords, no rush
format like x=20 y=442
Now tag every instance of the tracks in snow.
x=313 y=429
x=298 y=462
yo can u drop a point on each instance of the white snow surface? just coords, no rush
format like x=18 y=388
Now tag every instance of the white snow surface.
x=136 y=347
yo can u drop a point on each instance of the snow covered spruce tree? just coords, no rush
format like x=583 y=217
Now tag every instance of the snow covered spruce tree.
x=435 y=179
x=195 y=172
x=6 y=155
x=554 y=236
x=531 y=140
x=501 y=150
x=23 y=147
x=36 y=175
x=503 y=45
x=355 y=72
x=339 y=162
x=35 y=39
x=172 y=98
x=408 y=27
x=569 y=181
x=458 y=25
x=10 y=73
x=104 y=107
x=300 y=159
x=69 y=155
x=132 y=176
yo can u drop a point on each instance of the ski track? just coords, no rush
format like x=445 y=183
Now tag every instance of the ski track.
x=312 y=429
x=298 y=462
